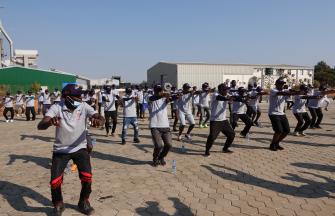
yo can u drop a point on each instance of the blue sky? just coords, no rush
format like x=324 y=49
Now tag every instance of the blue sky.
x=102 y=38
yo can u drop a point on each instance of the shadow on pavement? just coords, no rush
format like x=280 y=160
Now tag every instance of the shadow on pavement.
x=118 y=159
x=36 y=137
x=309 y=189
x=41 y=161
x=154 y=209
x=319 y=167
x=14 y=194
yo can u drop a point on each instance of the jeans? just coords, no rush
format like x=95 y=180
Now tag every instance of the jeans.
x=126 y=122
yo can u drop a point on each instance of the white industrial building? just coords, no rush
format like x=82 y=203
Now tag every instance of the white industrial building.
x=197 y=73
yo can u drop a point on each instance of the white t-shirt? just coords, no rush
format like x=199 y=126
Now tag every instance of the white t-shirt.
x=19 y=99
x=115 y=92
x=196 y=99
x=158 y=115
x=40 y=96
x=46 y=98
x=218 y=109
x=71 y=134
x=204 y=99
x=109 y=104
x=8 y=101
x=299 y=105
x=30 y=100
x=276 y=103
x=185 y=103
x=239 y=107
x=57 y=95
x=255 y=101
x=315 y=102
x=140 y=96
x=129 y=109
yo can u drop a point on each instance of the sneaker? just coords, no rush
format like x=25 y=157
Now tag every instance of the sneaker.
x=136 y=140
x=162 y=162
x=201 y=126
x=207 y=154
x=280 y=148
x=155 y=163
x=303 y=134
x=7 y=121
x=227 y=151
x=113 y=134
x=318 y=127
x=179 y=138
x=11 y=120
x=311 y=127
x=296 y=133
x=243 y=135
x=273 y=148
x=188 y=136
x=107 y=134
x=85 y=207
x=123 y=142
x=58 y=209
x=175 y=130
x=205 y=125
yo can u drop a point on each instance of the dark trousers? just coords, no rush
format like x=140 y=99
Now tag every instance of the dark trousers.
x=303 y=121
x=110 y=115
x=141 y=107
x=246 y=120
x=32 y=111
x=215 y=128
x=59 y=161
x=99 y=108
x=317 y=116
x=289 y=104
x=6 y=110
x=162 y=140
x=204 y=111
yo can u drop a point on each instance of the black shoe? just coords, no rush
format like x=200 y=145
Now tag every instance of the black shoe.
x=162 y=162
x=280 y=148
x=85 y=207
x=155 y=163
x=318 y=127
x=123 y=142
x=207 y=154
x=175 y=130
x=227 y=151
x=136 y=140
x=58 y=209
x=311 y=127
x=273 y=148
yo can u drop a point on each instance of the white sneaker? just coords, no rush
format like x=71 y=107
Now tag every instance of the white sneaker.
x=296 y=134
x=7 y=121
x=179 y=138
x=303 y=134
x=11 y=120
x=188 y=136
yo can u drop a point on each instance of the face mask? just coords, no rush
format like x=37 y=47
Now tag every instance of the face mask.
x=72 y=104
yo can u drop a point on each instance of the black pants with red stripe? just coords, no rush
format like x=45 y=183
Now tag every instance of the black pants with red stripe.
x=59 y=161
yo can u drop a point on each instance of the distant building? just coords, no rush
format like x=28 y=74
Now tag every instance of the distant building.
x=197 y=73
x=22 y=78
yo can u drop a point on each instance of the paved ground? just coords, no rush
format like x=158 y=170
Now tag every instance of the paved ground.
x=252 y=181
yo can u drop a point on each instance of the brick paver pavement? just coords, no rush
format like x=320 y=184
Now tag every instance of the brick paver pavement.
x=252 y=181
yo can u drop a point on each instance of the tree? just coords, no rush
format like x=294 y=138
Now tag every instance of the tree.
x=324 y=73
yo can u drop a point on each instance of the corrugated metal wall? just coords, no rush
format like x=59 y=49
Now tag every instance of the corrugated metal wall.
x=19 y=78
x=162 y=72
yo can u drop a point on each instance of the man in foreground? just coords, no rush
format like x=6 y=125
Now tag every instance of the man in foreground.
x=70 y=118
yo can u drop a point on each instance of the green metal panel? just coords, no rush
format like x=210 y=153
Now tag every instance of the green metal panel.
x=19 y=78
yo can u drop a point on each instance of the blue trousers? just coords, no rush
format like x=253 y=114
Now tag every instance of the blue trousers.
x=126 y=122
